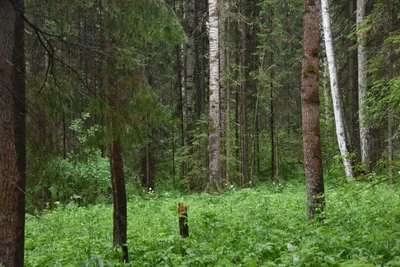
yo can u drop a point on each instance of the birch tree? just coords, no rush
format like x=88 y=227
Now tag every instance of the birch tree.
x=336 y=97
x=362 y=86
x=310 y=110
x=214 y=167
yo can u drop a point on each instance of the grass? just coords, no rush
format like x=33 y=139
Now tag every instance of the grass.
x=248 y=227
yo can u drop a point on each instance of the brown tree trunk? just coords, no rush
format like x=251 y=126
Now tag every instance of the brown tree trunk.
x=242 y=96
x=119 y=197
x=271 y=116
x=190 y=62
x=148 y=166
x=352 y=95
x=116 y=161
x=310 y=110
x=12 y=133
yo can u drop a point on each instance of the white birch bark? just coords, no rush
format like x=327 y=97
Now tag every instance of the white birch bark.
x=337 y=103
x=214 y=167
x=362 y=86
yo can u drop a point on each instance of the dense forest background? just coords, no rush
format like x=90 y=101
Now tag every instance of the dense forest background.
x=155 y=55
x=196 y=96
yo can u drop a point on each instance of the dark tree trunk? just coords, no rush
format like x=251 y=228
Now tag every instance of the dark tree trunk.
x=243 y=64
x=271 y=116
x=310 y=110
x=148 y=162
x=352 y=95
x=119 y=197
x=116 y=160
x=12 y=134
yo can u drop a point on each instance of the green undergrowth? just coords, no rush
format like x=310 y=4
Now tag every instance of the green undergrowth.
x=248 y=227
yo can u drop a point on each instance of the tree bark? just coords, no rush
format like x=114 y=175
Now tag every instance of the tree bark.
x=310 y=110
x=116 y=160
x=242 y=96
x=338 y=109
x=362 y=87
x=214 y=131
x=12 y=133
x=326 y=91
x=119 y=197
x=352 y=95
x=190 y=62
x=222 y=89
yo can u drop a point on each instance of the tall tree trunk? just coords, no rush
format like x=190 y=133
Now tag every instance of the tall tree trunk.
x=338 y=109
x=390 y=148
x=119 y=197
x=362 y=87
x=326 y=91
x=310 y=110
x=228 y=106
x=222 y=89
x=352 y=95
x=214 y=129
x=148 y=180
x=277 y=158
x=116 y=160
x=190 y=62
x=242 y=96
x=271 y=97
x=12 y=133
x=271 y=117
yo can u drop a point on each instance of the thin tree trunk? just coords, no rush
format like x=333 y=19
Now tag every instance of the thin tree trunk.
x=271 y=98
x=277 y=158
x=362 y=87
x=353 y=90
x=222 y=89
x=173 y=154
x=310 y=110
x=214 y=131
x=190 y=62
x=326 y=91
x=12 y=133
x=242 y=96
x=338 y=109
x=253 y=156
x=228 y=107
x=271 y=117
x=390 y=148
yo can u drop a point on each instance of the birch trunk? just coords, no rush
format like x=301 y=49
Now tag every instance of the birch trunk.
x=214 y=167
x=310 y=110
x=362 y=87
x=337 y=103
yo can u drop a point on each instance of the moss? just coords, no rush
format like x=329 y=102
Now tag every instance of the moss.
x=310 y=68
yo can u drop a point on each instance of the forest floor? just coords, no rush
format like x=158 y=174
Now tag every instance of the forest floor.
x=263 y=226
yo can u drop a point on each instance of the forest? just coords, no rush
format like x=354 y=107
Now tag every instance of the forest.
x=199 y=133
